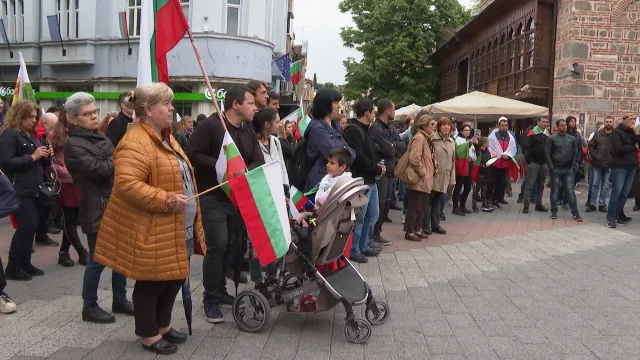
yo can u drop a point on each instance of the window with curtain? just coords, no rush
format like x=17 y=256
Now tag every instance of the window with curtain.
x=520 y=47
x=135 y=16
x=233 y=16
x=69 y=18
x=512 y=52
x=531 y=41
x=12 y=13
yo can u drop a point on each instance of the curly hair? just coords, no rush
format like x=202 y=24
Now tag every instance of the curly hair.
x=18 y=112
x=104 y=124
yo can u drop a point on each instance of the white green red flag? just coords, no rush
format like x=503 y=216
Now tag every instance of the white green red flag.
x=162 y=26
x=296 y=72
x=297 y=198
x=261 y=201
x=302 y=122
x=122 y=22
x=229 y=162
x=462 y=159
x=23 y=90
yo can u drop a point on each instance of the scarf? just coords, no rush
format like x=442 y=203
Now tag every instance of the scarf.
x=432 y=147
x=536 y=131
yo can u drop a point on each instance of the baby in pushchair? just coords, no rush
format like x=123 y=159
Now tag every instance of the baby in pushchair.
x=306 y=282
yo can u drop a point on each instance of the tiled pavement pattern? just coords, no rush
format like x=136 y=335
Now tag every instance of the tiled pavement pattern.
x=565 y=293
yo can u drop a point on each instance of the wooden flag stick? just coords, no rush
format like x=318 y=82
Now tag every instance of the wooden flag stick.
x=208 y=190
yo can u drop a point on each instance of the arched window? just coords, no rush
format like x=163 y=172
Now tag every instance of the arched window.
x=521 y=51
x=511 y=51
x=503 y=55
x=531 y=41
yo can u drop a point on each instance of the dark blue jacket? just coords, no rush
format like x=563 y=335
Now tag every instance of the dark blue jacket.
x=322 y=139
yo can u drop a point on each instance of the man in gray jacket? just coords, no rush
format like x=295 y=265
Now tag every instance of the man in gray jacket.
x=562 y=158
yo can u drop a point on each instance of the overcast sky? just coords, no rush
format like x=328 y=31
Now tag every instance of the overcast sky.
x=319 y=22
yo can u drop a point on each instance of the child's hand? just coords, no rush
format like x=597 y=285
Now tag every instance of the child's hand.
x=494 y=155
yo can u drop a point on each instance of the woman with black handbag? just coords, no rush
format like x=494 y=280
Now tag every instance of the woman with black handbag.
x=24 y=160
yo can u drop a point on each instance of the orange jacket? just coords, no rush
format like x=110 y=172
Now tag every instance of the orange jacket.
x=138 y=237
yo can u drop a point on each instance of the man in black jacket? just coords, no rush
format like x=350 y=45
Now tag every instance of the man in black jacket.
x=358 y=136
x=118 y=126
x=600 y=153
x=562 y=158
x=533 y=147
x=389 y=145
x=222 y=223
x=624 y=161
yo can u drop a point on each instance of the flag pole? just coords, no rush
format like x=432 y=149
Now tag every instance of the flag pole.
x=208 y=190
x=206 y=79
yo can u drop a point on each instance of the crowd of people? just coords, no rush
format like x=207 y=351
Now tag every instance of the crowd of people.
x=131 y=184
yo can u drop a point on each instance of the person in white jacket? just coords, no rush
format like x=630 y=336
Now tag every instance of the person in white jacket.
x=266 y=123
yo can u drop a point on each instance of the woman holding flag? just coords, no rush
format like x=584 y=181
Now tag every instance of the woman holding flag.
x=152 y=223
x=465 y=157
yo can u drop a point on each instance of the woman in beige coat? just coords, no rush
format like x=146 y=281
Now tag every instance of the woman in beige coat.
x=422 y=161
x=445 y=148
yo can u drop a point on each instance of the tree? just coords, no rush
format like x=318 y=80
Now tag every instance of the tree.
x=396 y=39
x=326 y=85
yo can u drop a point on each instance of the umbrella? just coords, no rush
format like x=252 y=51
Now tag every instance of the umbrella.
x=187 y=303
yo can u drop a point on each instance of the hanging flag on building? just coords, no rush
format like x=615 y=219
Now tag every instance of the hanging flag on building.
x=23 y=90
x=54 y=31
x=162 y=26
x=284 y=65
x=296 y=72
x=122 y=21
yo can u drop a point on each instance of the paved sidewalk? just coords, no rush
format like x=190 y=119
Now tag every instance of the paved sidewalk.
x=562 y=293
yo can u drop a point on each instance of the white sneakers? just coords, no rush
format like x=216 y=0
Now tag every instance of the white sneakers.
x=6 y=305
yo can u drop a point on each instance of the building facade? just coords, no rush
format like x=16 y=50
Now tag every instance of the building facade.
x=575 y=57
x=237 y=40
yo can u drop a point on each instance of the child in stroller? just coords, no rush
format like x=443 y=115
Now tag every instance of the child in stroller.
x=321 y=242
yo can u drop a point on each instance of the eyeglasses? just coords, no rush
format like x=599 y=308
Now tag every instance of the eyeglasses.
x=90 y=113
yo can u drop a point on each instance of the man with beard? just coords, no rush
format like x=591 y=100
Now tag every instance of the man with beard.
x=533 y=147
x=600 y=152
x=259 y=91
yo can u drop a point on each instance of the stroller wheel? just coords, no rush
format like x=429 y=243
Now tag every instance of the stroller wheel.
x=358 y=331
x=381 y=317
x=251 y=311
x=293 y=281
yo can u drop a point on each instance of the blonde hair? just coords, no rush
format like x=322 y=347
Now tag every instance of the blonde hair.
x=283 y=128
x=147 y=95
x=424 y=121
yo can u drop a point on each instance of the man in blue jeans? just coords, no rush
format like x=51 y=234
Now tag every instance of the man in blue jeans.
x=562 y=159
x=600 y=152
x=624 y=161
x=358 y=137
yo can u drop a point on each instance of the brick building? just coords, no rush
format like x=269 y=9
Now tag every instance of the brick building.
x=576 y=57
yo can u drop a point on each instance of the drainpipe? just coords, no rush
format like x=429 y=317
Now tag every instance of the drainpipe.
x=554 y=32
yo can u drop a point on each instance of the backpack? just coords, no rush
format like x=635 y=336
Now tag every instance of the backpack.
x=299 y=163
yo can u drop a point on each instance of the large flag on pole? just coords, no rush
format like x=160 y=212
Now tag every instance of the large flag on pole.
x=23 y=90
x=163 y=24
x=263 y=206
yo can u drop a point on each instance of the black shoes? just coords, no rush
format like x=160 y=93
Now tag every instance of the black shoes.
x=65 y=260
x=624 y=218
x=370 y=253
x=387 y=220
x=226 y=300
x=175 y=337
x=122 y=308
x=83 y=258
x=503 y=202
x=554 y=216
x=361 y=259
x=18 y=275
x=577 y=218
x=541 y=208
x=426 y=231
x=213 y=314
x=496 y=205
x=443 y=217
x=382 y=241
x=590 y=208
x=611 y=224
x=32 y=270
x=636 y=207
x=602 y=208
x=161 y=347
x=412 y=237
x=439 y=230
x=525 y=209
x=458 y=212
x=46 y=241
x=96 y=314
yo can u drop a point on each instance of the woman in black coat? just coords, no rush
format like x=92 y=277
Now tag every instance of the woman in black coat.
x=288 y=141
x=24 y=160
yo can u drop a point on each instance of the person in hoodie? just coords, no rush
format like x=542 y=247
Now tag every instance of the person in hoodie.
x=600 y=152
x=624 y=161
x=533 y=147
x=322 y=137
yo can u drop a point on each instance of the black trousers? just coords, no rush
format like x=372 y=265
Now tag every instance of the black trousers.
x=223 y=227
x=29 y=217
x=432 y=220
x=461 y=191
x=385 y=191
x=3 y=279
x=499 y=181
x=70 y=230
x=483 y=192
x=152 y=304
x=417 y=208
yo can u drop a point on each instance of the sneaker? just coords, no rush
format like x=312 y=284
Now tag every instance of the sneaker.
x=475 y=209
x=213 y=314
x=226 y=300
x=503 y=202
x=6 y=305
x=554 y=216
x=359 y=258
x=65 y=260
x=382 y=241
x=541 y=208
x=46 y=241
x=32 y=270
x=496 y=205
x=525 y=209
x=602 y=208
x=624 y=217
x=610 y=224
x=458 y=212
x=577 y=218
x=590 y=209
x=370 y=253
x=96 y=314
x=488 y=209
x=621 y=222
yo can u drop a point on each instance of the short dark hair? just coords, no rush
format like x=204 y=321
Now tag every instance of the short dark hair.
x=342 y=155
x=560 y=121
x=201 y=117
x=384 y=105
x=569 y=118
x=482 y=141
x=540 y=118
x=273 y=96
x=609 y=117
x=53 y=109
x=322 y=102
x=362 y=106
x=264 y=115
x=124 y=97
x=235 y=93
x=254 y=85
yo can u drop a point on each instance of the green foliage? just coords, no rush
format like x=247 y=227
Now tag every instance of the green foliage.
x=326 y=85
x=396 y=39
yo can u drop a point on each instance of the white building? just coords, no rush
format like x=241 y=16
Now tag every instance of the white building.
x=237 y=40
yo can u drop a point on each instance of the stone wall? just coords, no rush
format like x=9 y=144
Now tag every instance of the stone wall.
x=602 y=38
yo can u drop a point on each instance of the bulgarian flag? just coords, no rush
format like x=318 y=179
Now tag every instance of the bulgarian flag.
x=229 y=162
x=475 y=175
x=302 y=122
x=162 y=26
x=23 y=90
x=261 y=201
x=296 y=72
x=297 y=198
x=122 y=21
x=462 y=159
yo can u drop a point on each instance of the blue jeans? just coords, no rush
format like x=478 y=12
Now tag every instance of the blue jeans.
x=363 y=232
x=622 y=179
x=534 y=191
x=255 y=269
x=92 y=279
x=443 y=202
x=563 y=178
x=599 y=182
x=402 y=189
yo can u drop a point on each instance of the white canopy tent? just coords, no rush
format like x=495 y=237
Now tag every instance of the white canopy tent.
x=408 y=110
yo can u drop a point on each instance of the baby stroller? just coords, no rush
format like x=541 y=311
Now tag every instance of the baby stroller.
x=305 y=289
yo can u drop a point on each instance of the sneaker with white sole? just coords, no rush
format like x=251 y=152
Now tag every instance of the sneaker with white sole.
x=6 y=305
